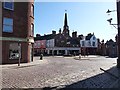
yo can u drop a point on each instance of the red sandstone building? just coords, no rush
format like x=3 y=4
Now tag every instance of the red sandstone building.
x=17 y=31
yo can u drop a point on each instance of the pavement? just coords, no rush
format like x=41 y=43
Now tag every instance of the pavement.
x=36 y=61
x=63 y=72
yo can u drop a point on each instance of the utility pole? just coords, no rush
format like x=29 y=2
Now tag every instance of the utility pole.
x=118 y=20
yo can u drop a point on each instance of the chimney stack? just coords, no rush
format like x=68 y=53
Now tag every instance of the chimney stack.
x=37 y=35
x=74 y=34
x=53 y=32
x=60 y=30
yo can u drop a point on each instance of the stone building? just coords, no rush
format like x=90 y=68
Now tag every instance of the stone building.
x=17 y=31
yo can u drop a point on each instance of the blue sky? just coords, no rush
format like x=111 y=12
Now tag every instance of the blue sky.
x=83 y=17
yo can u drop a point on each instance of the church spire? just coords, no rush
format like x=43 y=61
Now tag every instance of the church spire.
x=65 y=27
x=65 y=21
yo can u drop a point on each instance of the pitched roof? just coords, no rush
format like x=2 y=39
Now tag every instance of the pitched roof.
x=88 y=36
x=110 y=42
x=73 y=41
x=45 y=37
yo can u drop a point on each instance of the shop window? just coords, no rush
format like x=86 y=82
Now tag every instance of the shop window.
x=14 y=51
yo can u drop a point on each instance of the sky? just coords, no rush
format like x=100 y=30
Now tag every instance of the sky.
x=83 y=17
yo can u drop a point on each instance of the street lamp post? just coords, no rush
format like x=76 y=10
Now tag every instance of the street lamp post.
x=110 y=20
x=19 y=48
x=118 y=20
x=118 y=28
x=109 y=11
x=80 y=52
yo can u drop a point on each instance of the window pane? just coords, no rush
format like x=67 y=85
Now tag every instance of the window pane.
x=83 y=44
x=93 y=43
x=7 y=28
x=38 y=44
x=8 y=21
x=8 y=5
x=32 y=29
x=32 y=10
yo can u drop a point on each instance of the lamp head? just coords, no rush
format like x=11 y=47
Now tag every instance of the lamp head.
x=108 y=11
x=109 y=20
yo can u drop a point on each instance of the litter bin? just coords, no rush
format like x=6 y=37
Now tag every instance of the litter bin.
x=41 y=56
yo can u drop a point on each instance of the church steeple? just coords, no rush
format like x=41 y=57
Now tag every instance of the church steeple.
x=65 y=27
x=65 y=21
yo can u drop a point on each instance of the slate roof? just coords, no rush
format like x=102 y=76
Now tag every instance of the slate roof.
x=73 y=41
x=88 y=36
x=45 y=37
x=110 y=42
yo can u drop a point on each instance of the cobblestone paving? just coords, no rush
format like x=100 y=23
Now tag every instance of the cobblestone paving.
x=61 y=72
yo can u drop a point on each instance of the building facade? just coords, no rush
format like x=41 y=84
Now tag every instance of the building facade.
x=40 y=47
x=0 y=31
x=89 y=44
x=61 y=43
x=17 y=31
x=111 y=48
